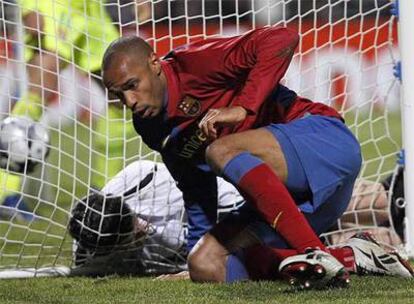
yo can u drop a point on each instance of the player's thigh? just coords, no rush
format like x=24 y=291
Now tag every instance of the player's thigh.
x=259 y=142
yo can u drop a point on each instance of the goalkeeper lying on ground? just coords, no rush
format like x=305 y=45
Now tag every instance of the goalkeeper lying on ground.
x=153 y=216
x=146 y=235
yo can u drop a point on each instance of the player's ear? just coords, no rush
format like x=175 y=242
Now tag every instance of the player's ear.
x=155 y=63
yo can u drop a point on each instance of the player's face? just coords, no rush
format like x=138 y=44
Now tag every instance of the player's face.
x=139 y=85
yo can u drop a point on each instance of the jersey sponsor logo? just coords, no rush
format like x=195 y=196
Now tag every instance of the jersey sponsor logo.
x=189 y=106
x=192 y=144
x=188 y=143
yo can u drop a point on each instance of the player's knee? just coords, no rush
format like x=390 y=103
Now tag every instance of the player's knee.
x=219 y=153
x=206 y=263
x=198 y=267
x=203 y=268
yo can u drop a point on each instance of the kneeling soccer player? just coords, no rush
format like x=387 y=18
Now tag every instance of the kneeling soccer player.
x=216 y=108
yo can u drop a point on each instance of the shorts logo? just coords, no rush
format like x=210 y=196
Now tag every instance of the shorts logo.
x=189 y=106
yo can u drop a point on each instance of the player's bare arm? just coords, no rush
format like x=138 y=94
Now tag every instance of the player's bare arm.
x=222 y=117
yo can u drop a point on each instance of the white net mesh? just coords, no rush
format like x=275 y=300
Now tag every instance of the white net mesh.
x=345 y=58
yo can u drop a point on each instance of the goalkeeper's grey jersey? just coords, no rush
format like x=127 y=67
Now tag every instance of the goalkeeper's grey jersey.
x=151 y=192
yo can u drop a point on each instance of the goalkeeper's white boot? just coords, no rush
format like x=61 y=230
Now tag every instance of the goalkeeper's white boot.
x=371 y=258
x=315 y=269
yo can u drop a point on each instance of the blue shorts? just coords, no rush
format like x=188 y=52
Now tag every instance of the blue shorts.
x=323 y=160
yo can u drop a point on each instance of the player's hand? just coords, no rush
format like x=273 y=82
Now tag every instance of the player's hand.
x=183 y=275
x=221 y=117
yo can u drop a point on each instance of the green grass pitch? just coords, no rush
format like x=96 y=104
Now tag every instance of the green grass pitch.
x=145 y=290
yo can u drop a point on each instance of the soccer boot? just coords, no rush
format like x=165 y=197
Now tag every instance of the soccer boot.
x=315 y=269
x=371 y=258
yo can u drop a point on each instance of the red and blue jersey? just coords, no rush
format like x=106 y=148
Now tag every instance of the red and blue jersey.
x=222 y=72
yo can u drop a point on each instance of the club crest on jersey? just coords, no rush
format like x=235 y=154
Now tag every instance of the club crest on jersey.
x=189 y=106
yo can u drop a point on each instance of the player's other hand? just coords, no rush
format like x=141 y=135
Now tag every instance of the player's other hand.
x=221 y=117
x=183 y=275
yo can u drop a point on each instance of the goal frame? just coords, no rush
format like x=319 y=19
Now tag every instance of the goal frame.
x=406 y=46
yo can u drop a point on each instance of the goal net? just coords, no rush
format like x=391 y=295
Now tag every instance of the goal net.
x=345 y=58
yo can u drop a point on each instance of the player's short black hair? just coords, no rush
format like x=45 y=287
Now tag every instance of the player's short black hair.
x=100 y=222
x=133 y=46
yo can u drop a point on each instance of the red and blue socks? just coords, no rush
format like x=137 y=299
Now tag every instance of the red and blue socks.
x=262 y=187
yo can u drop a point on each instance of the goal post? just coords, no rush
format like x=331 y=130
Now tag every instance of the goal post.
x=406 y=45
x=345 y=58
